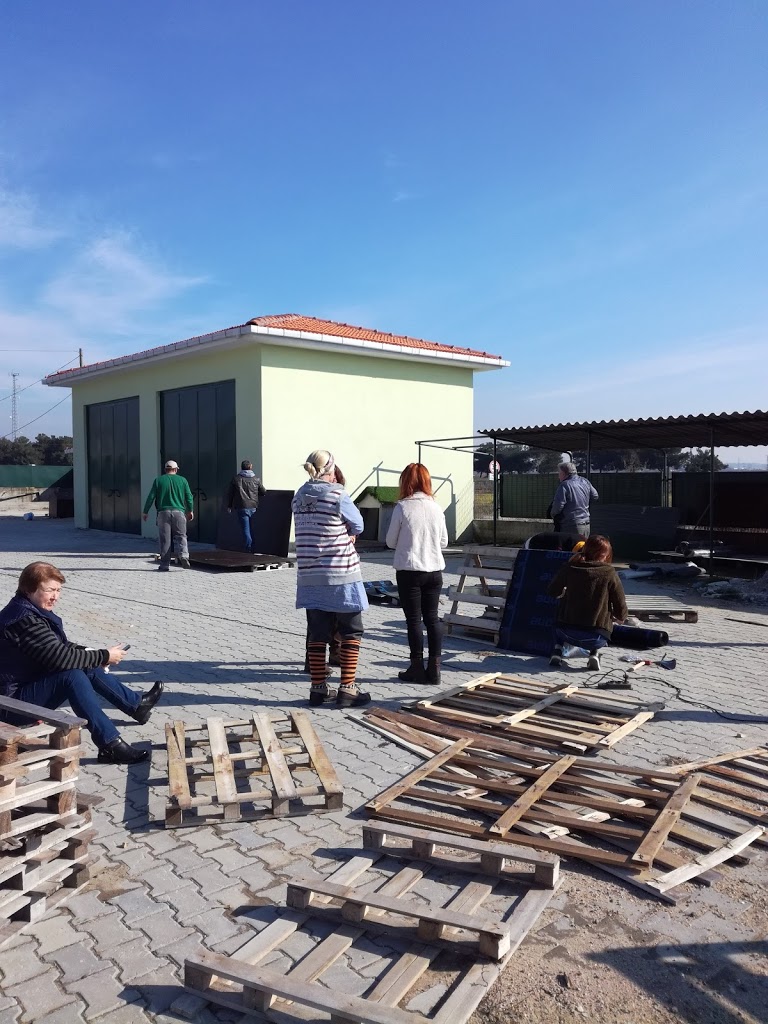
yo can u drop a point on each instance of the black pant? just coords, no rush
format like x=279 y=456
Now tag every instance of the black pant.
x=420 y=597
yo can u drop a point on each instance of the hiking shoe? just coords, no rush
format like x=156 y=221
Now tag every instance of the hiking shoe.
x=557 y=657
x=593 y=662
x=347 y=698
x=184 y=563
x=163 y=568
x=322 y=696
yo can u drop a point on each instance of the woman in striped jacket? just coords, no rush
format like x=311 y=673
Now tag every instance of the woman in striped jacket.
x=40 y=666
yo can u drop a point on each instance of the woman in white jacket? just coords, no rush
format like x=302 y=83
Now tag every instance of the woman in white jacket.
x=418 y=534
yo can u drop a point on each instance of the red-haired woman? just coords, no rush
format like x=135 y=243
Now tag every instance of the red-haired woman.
x=591 y=600
x=418 y=534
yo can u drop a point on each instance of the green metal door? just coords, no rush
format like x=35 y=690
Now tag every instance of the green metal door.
x=114 y=466
x=199 y=432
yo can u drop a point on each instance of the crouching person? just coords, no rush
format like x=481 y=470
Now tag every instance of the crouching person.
x=40 y=666
x=591 y=599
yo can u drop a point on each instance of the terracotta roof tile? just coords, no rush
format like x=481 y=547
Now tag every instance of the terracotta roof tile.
x=287 y=322
x=313 y=325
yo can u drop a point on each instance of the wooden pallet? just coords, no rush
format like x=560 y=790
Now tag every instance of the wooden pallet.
x=248 y=769
x=654 y=608
x=735 y=783
x=492 y=568
x=544 y=714
x=654 y=836
x=293 y=986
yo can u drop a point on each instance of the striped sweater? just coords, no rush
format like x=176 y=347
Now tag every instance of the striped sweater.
x=33 y=644
x=326 y=518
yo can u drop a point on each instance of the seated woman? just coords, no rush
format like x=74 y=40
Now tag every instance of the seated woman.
x=591 y=600
x=40 y=666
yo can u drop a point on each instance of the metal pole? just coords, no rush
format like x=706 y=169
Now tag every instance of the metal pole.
x=589 y=452
x=419 y=444
x=80 y=355
x=665 y=502
x=711 y=498
x=495 y=495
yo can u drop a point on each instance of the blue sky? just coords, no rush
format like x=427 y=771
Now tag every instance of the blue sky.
x=581 y=187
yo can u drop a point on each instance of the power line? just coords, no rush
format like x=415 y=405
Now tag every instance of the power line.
x=30 y=422
x=28 y=386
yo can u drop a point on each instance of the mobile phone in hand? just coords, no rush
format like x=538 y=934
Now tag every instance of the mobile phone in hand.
x=126 y=647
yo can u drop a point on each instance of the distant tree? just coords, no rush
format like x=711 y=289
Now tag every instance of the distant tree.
x=699 y=461
x=20 y=452
x=54 y=450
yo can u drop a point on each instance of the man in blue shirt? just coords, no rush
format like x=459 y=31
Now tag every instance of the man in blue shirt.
x=570 y=508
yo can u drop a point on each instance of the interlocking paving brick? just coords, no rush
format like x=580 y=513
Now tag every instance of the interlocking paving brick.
x=170 y=881
x=75 y=962
x=20 y=963
x=101 y=992
x=42 y=997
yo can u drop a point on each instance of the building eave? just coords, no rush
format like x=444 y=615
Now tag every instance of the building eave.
x=235 y=337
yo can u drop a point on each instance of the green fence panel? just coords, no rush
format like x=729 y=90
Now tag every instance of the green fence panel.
x=527 y=495
x=35 y=477
x=741 y=498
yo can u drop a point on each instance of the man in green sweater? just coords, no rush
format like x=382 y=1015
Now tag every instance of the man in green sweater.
x=171 y=495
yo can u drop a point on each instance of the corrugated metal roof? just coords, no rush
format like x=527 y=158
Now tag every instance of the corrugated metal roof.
x=698 y=431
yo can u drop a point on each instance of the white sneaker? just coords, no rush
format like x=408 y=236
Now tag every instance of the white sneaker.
x=593 y=662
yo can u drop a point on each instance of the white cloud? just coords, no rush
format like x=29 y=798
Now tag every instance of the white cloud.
x=110 y=282
x=22 y=225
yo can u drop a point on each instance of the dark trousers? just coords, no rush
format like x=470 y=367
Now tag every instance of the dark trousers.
x=244 y=515
x=81 y=690
x=420 y=597
x=322 y=626
x=172 y=529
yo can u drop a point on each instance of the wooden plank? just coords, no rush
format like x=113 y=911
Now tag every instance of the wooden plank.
x=493 y=934
x=706 y=861
x=487 y=600
x=417 y=775
x=487 y=572
x=658 y=833
x=491 y=551
x=513 y=814
x=618 y=734
x=478 y=622
x=177 y=771
x=57 y=718
x=226 y=791
x=397 y=982
x=282 y=780
x=330 y=781
x=316 y=997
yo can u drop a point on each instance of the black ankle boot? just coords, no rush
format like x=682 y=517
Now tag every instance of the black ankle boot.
x=120 y=752
x=147 y=702
x=433 y=670
x=415 y=671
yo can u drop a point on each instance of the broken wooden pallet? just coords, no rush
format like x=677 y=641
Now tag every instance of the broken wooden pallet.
x=450 y=980
x=660 y=836
x=247 y=769
x=735 y=783
x=651 y=608
x=544 y=714
x=492 y=569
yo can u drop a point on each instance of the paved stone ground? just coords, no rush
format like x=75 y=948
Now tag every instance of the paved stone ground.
x=228 y=643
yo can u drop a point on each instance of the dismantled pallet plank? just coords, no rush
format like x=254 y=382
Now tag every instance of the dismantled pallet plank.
x=276 y=754
x=545 y=795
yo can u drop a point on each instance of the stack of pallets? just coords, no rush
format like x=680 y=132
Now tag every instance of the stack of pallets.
x=44 y=824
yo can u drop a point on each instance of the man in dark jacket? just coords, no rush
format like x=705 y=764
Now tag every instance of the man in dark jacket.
x=243 y=496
